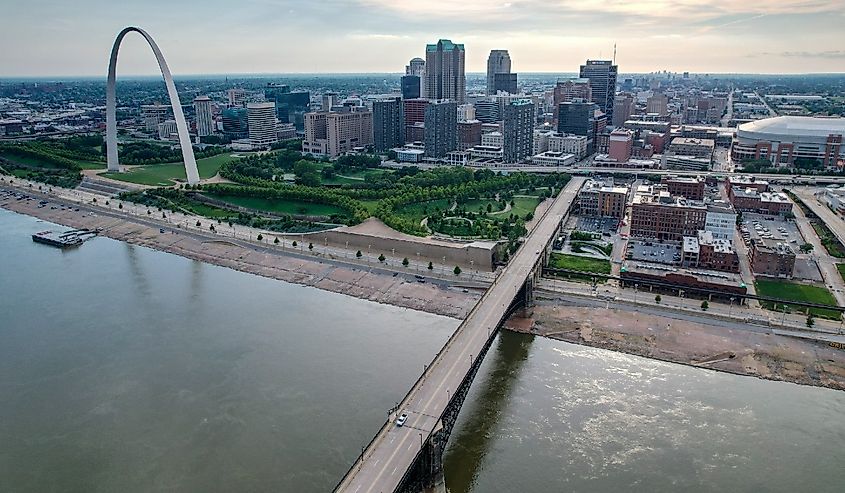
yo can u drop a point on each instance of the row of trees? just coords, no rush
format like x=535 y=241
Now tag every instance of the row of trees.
x=356 y=210
x=148 y=153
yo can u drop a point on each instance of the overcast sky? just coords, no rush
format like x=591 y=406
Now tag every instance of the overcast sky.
x=73 y=37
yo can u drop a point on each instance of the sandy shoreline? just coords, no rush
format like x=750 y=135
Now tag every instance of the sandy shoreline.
x=307 y=270
x=742 y=352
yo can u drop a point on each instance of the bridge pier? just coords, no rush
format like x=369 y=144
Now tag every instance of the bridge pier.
x=426 y=475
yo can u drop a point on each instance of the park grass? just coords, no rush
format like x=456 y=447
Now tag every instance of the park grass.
x=524 y=205
x=841 y=269
x=166 y=174
x=417 y=211
x=473 y=205
x=370 y=204
x=793 y=291
x=279 y=206
x=582 y=264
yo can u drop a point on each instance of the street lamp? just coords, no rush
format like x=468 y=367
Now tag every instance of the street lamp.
x=636 y=286
x=730 y=310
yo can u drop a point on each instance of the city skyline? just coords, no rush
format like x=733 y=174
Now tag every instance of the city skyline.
x=380 y=36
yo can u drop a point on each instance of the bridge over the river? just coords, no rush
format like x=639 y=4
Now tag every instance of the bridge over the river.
x=409 y=458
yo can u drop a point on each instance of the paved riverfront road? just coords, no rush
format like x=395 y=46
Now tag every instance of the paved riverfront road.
x=394 y=449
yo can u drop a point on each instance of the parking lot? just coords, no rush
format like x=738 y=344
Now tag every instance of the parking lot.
x=771 y=227
x=597 y=224
x=654 y=251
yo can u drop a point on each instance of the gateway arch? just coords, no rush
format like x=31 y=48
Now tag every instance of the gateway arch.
x=111 y=102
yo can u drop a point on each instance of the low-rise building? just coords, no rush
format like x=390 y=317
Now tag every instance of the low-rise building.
x=743 y=182
x=749 y=200
x=602 y=200
x=771 y=257
x=706 y=252
x=660 y=216
x=552 y=158
x=721 y=221
x=685 y=186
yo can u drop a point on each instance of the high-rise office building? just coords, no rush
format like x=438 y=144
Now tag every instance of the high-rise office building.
x=235 y=122
x=262 y=123
x=466 y=112
x=578 y=117
x=657 y=103
x=441 y=128
x=487 y=111
x=290 y=106
x=388 y=124
x=505 y=83
x=416 y=67
x=469 y=134
x=623 y=108
x=237 y=97
x=153 y=114
x=444 y=71
x=498 y=62
x=570 y=89
x=411 y=87
x=331 y=133
x=602 y=75
x=329 y=101
x=518 y=130
x=204 y=116
x=415 y=110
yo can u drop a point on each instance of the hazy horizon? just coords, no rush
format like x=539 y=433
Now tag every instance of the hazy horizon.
x=73 y=39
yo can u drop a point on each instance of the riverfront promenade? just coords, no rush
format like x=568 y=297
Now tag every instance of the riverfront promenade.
x=382 y=466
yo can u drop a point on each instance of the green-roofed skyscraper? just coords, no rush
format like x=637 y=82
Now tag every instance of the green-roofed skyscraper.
x=444 y=71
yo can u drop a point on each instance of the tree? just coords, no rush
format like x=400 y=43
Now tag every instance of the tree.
x=457 y=271
x=489 y=207
x=405 y=262
x=306 y=173
x=294 y=243
x=198 y=223
x=359 y=254
x=705 y=305
x=310 y=246
x=120 y=206
x=810 y=320
x=260 y=237
x=657 y=299
x=211 y=228
x=276 y=241
x=430 y=265
x=381 y=257
x=806 y=248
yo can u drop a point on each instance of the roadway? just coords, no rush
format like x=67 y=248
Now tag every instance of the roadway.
x=393 y=451
x=825 y=261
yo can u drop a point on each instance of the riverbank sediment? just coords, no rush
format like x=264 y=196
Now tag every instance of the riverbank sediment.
x=305 y=269
x=703 y=345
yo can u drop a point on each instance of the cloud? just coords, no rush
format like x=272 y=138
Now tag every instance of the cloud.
x=830 y=54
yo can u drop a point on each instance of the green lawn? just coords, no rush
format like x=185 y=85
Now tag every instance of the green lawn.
x=583 y=264
x=418 y=211
x=524 y=205
x=165 y=174
x=370 y=204
x=474 y=204
x=841 y=269
x=282 y=206
x=792 y=291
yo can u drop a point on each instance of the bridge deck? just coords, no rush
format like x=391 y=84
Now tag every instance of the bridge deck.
x=394 y=449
